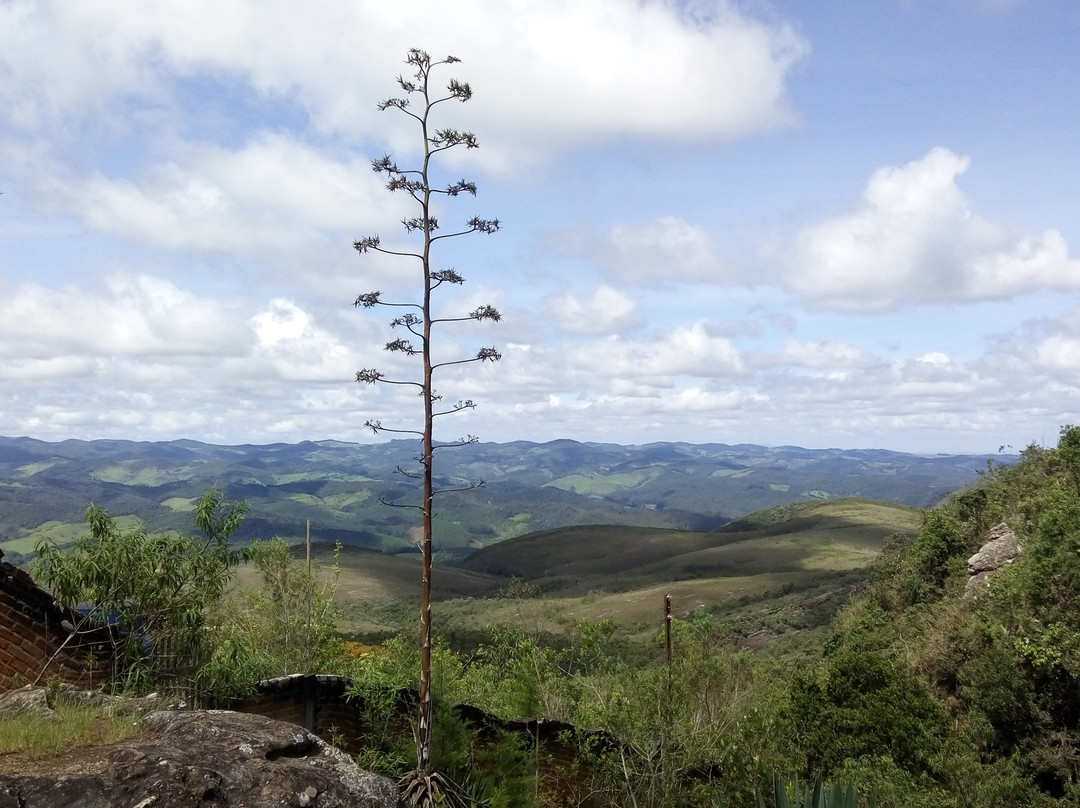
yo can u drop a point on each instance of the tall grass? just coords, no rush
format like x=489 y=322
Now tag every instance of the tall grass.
x=71 y=726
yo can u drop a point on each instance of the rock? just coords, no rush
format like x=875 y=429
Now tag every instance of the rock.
x=229 y=760
x=1000 y=550
x=28 y=700
x=118 y=705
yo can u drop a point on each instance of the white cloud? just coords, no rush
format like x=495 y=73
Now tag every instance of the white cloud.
x=216 y=145
x=294 y=348
x=134 y=315
x=273 y=194
x=55 y=57
x=662 y=251
x=611 y=365
x=914 y=239
x=575 y=72
x=145 y=334
x=603 y=311
x=684 y=351
x=1059 y=352
x=825 y=353
x=1044 y=352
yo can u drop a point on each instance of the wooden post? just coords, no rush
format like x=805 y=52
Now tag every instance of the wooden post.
x=667 y=628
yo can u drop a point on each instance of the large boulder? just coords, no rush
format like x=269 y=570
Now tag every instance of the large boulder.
x=219 y=758
x=1000 y=550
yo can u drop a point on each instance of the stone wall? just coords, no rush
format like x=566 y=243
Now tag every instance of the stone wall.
x=36 y=639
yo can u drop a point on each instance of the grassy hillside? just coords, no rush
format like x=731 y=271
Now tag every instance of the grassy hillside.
x=809 y=537
x=776 y=579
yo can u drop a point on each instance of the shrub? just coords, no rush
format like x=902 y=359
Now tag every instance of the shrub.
x=864 y=704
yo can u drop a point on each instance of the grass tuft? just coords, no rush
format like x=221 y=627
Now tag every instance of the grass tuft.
x=69 y=726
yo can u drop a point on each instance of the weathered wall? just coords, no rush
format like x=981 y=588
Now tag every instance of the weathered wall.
x=33 y=634
x=315 y=702
x=320 y=705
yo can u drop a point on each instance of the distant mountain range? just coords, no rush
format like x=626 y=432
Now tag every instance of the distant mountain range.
x=528 y=487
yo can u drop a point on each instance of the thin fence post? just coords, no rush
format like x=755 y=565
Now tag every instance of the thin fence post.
x=667 y=628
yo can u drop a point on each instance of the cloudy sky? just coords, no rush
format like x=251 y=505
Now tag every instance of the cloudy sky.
x=843 y=223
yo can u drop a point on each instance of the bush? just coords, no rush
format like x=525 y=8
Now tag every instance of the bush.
x=865 y=704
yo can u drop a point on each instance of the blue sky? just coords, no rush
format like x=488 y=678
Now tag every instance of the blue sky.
x=828 y=224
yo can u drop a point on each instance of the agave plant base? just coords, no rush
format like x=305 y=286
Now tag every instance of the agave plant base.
x=431 y=790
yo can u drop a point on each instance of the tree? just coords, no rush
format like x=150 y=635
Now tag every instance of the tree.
x=154 y=587
x=418 y=321
x=289 y=625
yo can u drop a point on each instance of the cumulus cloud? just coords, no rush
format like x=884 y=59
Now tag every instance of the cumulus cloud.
x=635 y=68
x=145 y=332
x=289 y=342
x=914 y=239
x=689 y=351
x=819 y=354
x=1059 y=352
x=603 y=311
x=142 y=357
x=613 y=365
x=134 y=315
x=272 y=194
x=1045 y=350
x=666 y=249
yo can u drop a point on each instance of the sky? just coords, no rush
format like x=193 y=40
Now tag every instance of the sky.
x=829 y=224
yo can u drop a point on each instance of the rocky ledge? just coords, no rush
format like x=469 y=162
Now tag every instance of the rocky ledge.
x=219 y=758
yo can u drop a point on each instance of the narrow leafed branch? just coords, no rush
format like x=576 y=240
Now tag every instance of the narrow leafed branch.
x=371 y=376
x=457 y=490
x=467 y=404
x=483 y=355
x=393 y=504
x=377 y=427
x=482 y=313
x=476 y=225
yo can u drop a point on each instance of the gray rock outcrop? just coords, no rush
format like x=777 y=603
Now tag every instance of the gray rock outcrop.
x=219 y=758
x=25 y=701
x=1000 y=550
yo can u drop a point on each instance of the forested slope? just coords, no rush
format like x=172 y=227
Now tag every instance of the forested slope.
x=966 y=695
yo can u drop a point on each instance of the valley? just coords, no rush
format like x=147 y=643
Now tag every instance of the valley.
x=773 y=575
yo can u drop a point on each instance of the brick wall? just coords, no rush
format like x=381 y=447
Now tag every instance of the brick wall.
x=35 y=636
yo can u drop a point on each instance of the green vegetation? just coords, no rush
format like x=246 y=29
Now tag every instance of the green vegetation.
x=154 y=588
x=799 y=539
x=677 y=486
x=288 y=624
x=37 y=736
x=915 y=694
x=824 y=653
x=593 y=484
x=180 y=504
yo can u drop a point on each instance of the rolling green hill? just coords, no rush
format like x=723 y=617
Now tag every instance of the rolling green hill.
x=812 y=536
x=529 y=487
x=776 y=571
